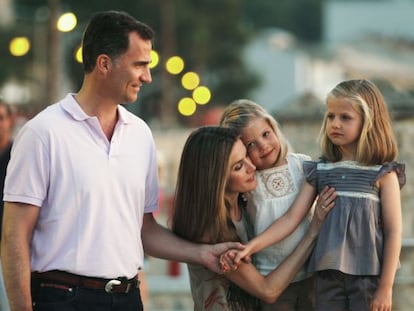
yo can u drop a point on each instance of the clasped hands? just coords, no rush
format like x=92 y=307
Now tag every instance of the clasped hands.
x=233 y=258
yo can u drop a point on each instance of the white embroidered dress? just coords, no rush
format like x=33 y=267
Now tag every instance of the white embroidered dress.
x=276 y=190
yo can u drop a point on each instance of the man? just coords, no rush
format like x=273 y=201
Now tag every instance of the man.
x=5 y=147
x=82 y=185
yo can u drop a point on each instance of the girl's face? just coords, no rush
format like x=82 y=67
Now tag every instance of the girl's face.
x=263 y=146
x=343 y=125
x=241 y=176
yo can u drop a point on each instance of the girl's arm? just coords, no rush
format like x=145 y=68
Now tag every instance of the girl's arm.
x=392 y=222
x=286 y=224
x=268 y=288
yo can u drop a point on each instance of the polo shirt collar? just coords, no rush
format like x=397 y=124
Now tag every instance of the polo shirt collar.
x=71 y=106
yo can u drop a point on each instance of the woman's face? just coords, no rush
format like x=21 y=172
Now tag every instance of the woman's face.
x=241 y=177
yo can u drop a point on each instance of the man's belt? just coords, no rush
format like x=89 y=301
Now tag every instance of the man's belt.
x=119 y=285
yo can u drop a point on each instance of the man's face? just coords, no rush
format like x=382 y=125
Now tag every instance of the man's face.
x=131 y=69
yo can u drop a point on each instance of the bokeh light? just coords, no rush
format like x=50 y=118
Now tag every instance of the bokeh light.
x=155 y=58
x=78 y=55
x=187 y=106
x=190 y=80
x=19 y=46
x=201 y=95
x=67 y=22
x=174 y=65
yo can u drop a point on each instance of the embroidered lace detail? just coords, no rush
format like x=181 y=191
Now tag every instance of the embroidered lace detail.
x=278 y=183
x=348 y=164
x=359 y=195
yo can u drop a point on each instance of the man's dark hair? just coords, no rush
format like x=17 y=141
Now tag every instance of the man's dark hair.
x=108 y=33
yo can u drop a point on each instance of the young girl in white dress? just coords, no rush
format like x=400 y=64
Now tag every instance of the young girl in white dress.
x=279 y=178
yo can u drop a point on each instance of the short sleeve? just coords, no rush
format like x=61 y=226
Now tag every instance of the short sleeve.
x=309 y=170
x=302 y=157
x=399 y=168
x=32 y=189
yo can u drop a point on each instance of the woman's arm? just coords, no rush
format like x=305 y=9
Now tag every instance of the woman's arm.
x=268 y=288
x=392 y=223
x=286 y=224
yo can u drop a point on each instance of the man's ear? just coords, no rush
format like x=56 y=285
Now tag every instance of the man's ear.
x=103 y=63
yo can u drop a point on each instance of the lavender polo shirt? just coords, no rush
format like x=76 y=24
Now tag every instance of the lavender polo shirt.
x=92 y=193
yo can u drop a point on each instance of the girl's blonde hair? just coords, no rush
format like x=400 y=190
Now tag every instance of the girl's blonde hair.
x=240 y=112
x=377 y=143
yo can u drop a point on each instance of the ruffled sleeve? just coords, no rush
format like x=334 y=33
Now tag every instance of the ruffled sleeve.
x=309 y=170
x=399 y=168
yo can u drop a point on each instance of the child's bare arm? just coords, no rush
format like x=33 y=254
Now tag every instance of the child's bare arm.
x=392 y=222
x=286 y=224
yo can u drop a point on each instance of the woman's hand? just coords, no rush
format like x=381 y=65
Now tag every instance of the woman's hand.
x=231 y=260
x=324 y=203
x=211 y=254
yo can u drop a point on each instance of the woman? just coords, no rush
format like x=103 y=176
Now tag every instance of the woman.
x=209 y=208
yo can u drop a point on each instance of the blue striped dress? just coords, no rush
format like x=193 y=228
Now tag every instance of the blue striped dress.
x=351 y=238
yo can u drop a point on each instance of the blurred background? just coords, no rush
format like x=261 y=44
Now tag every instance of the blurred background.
x=286 y=55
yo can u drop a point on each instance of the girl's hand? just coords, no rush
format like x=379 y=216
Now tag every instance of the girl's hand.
x=229 y=260
x=226 y=261
x=382 y=300
x=210 y=254
x=243 y=255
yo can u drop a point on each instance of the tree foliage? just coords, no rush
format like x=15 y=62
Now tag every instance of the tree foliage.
x=209 y=35
x=303 y=18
